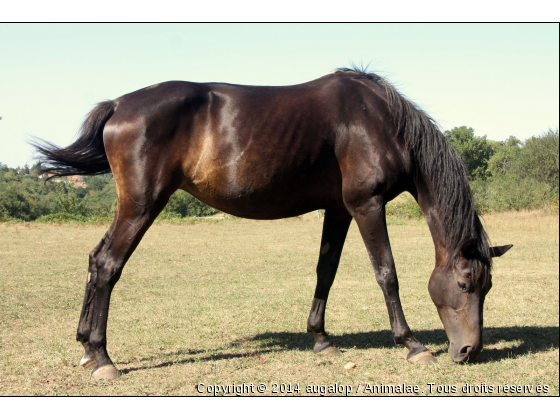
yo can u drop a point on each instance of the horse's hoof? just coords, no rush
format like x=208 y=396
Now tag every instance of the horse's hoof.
x=424 y=358
x=87 y=362
x=330 y=351
x=109 y=372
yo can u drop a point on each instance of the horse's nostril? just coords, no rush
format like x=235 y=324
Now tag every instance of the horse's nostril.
x=465 y=350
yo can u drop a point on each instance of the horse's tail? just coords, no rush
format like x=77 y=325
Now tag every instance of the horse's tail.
x=86 y=156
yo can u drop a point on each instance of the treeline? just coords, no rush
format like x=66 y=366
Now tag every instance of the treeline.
x=510 y=174
x=504 y=175
x=25 y=196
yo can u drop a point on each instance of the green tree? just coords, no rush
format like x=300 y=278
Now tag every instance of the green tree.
x=185 y=205
x=14 y=203
x=95 y=183
x=11 y=176
x=70 y=203
x=539 y=159
x=475 y=151
x=36 y=168
x=505 y=155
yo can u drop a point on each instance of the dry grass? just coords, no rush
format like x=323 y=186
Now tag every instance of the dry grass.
x=227 y=302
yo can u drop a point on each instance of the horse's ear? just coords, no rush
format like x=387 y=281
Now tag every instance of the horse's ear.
x=469 y=247
x=498 y=251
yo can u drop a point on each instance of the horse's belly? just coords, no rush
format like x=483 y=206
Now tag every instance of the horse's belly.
x=258 y=196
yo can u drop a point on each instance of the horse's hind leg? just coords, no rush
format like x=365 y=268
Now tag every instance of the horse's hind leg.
x=335 y=228
x=84 y=326
x=134 y=217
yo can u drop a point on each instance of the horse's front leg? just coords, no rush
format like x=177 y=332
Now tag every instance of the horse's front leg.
x=370 y=218
x=335 y=228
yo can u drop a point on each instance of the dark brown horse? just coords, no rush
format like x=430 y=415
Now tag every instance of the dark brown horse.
x=347 y=143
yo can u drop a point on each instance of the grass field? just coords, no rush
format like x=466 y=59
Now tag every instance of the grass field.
x=224 y=302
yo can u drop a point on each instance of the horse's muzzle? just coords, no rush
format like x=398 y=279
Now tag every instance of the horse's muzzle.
x=466 y=353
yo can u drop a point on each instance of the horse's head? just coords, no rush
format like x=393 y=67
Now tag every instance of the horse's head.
x=458 y=293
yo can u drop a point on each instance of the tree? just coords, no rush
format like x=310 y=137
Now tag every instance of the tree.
x=36 y=168
x=70 y=203
x=539 y=159
x=14 y=203
x=475 y=151
x=505 y=155
x=95 y=183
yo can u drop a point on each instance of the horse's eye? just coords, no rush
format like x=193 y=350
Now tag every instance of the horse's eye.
x=462 y=286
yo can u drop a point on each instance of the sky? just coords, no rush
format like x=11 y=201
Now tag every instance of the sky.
x=500 y=79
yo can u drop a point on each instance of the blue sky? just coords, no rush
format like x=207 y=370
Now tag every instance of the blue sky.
x=500 y=79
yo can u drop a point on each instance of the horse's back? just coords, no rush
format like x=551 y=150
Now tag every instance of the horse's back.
x=254 y=151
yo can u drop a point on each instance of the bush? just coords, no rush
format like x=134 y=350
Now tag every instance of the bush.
x=65 y=217
x=62 y=217
x=169 y=215
x=404 y=208
x=182 y=204
x=511 y=193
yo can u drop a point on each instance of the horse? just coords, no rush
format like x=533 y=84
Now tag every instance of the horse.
x=347 y=143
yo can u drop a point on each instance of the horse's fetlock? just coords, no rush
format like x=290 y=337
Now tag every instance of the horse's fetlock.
x=96 y=341
x=315 y=325
x=315 y=328
x=401 y=336
x=82 y=337
x=399 y=339
x=404 y=338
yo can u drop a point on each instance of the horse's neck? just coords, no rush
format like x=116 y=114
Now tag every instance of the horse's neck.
x=428 y=204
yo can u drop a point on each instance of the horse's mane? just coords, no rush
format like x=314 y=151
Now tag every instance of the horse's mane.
x=442 y=169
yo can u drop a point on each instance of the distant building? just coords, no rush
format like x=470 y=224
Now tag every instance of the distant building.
x=56 y=179
x=76 y=180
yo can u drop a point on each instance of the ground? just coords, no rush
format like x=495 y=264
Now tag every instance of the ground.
x=226 y=302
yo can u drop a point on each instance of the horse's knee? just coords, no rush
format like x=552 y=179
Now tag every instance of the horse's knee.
x=386 y=278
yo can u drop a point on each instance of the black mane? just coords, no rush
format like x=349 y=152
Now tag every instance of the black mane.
x=441 y=167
